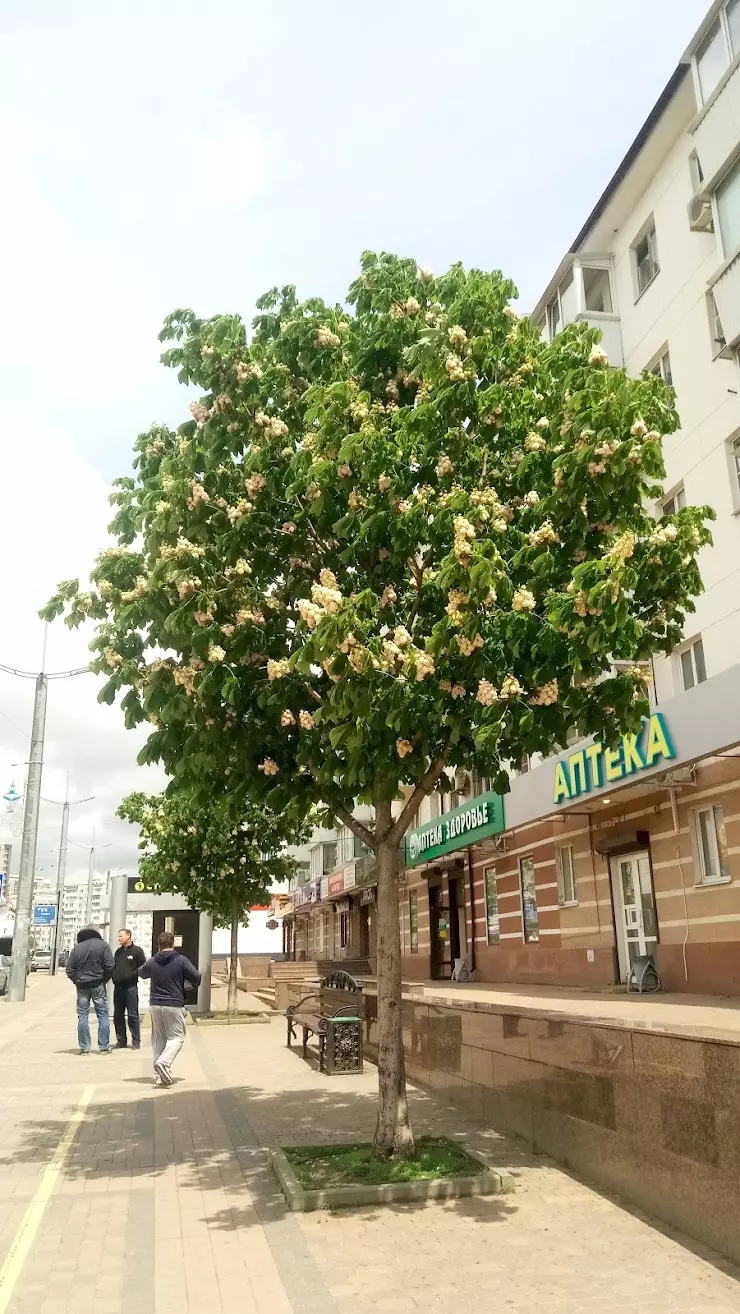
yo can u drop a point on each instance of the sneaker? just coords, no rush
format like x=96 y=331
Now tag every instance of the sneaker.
x=120 y=1044
x=163 y=1073
x=134 y=1046
x=158 y=1081
x=105 y=1051
x=84 y=1051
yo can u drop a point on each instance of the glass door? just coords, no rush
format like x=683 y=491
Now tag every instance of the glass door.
x=634 y=904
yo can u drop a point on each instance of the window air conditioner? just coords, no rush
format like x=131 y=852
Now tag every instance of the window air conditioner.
x=701 y=218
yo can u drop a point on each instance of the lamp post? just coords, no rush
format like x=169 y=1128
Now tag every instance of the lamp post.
x=62 y=864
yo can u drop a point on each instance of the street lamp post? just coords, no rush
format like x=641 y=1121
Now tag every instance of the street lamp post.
x=62 y=864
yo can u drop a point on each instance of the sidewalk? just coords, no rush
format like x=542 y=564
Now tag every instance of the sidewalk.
x=165 y=1202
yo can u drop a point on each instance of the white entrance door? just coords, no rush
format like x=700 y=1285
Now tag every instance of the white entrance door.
x=634 y=906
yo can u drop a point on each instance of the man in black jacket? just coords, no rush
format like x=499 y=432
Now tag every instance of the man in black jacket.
x=90 y=967
x=170 y=973
x=127 y=960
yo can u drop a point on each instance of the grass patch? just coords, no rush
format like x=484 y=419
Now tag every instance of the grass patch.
x=321 y=1166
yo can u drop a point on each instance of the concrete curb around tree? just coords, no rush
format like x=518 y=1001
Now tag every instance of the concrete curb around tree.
x=491 y=1181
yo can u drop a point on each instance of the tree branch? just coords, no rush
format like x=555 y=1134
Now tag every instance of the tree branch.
x=357 y=828
x=424 y=787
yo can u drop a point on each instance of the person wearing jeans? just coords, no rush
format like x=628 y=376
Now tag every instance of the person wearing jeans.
x=127 y=961
x=90 y=968
x=170 y=973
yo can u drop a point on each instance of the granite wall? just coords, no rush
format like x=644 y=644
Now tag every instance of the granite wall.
x=651 y=1116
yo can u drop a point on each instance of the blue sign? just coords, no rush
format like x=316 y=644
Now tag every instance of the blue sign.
x=44 y=914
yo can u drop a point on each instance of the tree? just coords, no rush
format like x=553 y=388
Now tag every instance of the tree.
x=391 y=540
x=221 y=868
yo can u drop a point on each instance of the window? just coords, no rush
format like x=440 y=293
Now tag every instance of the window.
x=710 y=840
x=562 y=308
x=493 y=930
x=733 y=25
x=711 y=60
x=728 y=211
x=481 y=785
x=529 y=901
x=717 y=333
x=735 y=456
x=646 y=258
x=566 y=875
x=662 y=368
x=597 y=292
x=414 y=921
x=693 y=669
x=676 y=502
x=329 y=858
x=523 y=764
x=343 y=930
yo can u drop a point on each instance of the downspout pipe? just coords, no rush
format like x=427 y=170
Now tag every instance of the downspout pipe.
x=471 y=884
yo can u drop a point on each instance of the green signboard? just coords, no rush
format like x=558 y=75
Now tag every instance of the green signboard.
x=468 y=824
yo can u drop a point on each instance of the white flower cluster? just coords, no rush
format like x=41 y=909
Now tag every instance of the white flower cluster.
x=425 y=275
x=384 y=483
x=187 y=587
x=388 y=596
x=355 y=501
x=183 y=548
x=203 y=617
x=325 y=337
x=162 y=508
x=404 y=747
x=545 y=534
x=487 y=694
x=411 y=306
x=348 y=642
x=424 y=666
x=490 y=510
x=269 y=767
x=313 y=492
x=288 y=527
x=273 y=427
x=402 y=637
x=277 y=670
x=510 y=688
x=559 y=479
x=547 y=695
x=242 y=508
x=457 y=335
x=306 y=721
x=534 y=442
x=215 y=654
x=523 y=600
x=464 y=536
x=624 y=547
x=444 y=466
x=112 y=658
x=468 y=646
x=456 y=600
x=639 y=429
x=248 y=370
x=607 y=449
x=198 y=494
x=391 y=653
x=665 y=534
x=454 y=367
x=309 y=613
x=185 y=677
x=228 y=630
x=247 y=614
x=330 y=599
x=255 y=483
x=531 y=498
x=598 y=356
x=344 y=471
x=199 y=412
x=222 y=403
x=358 y=658
x=138 y=591
x=596 y=468
x=287 y=719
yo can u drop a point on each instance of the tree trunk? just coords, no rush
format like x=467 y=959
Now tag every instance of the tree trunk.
x=232 y=1005
x=393 y=1134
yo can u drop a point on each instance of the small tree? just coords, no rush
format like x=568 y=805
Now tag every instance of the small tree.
x=389 y=541
x=221 y=868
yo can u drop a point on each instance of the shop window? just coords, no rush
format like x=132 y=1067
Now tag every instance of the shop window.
x=693 y=667
x=566 y=875
x=529 y=901
x=343 y=930
x=414 y=921
x=493 y=930
x=710 y=843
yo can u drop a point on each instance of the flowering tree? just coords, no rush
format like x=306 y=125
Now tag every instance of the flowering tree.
x=221 y=868
x=390 y=540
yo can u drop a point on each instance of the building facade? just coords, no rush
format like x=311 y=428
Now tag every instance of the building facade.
x=328 y=914
x=603 y=856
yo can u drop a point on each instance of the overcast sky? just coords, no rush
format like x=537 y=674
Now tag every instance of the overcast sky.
x=156 y=154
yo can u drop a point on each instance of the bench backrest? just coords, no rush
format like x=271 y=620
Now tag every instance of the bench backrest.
x=339 y=994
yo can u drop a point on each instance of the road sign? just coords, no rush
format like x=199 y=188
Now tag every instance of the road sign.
x=44 y=914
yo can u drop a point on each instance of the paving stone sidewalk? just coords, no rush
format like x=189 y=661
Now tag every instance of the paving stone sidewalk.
x=166 y=1202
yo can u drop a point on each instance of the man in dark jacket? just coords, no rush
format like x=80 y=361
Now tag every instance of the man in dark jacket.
x=127 y=960
x=90 y=967
x=170 y=972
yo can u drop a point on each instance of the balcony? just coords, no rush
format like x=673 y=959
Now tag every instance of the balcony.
x=584 y=294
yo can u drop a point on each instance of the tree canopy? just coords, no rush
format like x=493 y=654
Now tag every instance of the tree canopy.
x=391 y=536
x=219 y=866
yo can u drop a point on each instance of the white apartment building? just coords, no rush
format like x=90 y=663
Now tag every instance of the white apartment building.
x=577 y=875
x=74 y=905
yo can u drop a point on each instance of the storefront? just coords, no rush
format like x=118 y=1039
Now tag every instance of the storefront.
x=346 y=923
x=611 y=852
x=304 y=899
x=439 y=912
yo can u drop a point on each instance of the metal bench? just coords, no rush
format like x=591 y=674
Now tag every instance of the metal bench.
x=333 y=1013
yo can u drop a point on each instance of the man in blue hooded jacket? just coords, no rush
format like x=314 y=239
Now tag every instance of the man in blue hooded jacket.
x=170 y=973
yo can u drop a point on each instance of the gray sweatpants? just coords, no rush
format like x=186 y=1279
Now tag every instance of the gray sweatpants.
x=168 y=1033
